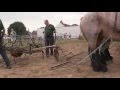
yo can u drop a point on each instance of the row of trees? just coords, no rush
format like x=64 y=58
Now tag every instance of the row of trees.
x=19 y=27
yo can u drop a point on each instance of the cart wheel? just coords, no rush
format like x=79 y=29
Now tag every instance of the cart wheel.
x=56 y=54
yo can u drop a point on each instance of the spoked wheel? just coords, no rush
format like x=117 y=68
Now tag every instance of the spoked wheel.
x=56 y=54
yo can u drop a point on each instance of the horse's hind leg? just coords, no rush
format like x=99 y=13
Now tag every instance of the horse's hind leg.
x=102 y=49
x=95 y=57
x=106 y=53
x=91 y=28
x=109 y=57
x=103 y=58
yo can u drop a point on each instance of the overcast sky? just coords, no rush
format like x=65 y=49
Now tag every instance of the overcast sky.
x=34 y=20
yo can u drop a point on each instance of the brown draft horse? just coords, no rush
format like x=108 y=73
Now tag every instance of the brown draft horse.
x=95 y=27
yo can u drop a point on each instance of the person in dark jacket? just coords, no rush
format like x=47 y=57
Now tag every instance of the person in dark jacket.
x=49 y=36
x=2 y=49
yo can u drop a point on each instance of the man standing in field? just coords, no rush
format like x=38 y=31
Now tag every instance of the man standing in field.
x=49 y=36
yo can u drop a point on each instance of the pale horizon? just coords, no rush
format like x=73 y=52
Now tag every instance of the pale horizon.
x=34 y=20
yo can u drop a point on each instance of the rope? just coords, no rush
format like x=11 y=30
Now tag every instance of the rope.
x=100 y=46
x=85 y=59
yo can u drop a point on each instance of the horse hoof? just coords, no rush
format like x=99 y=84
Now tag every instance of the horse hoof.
x=104 y=69
x=96 y=69
x=101 y=68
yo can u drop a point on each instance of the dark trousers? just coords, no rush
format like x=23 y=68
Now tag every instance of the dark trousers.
x=4 y=55
x=49 y=41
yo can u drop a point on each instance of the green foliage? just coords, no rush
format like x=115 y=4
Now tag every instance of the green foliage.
x=19 y=27
x=36 y=45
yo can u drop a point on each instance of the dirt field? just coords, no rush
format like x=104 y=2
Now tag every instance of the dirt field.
x=35 y=67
